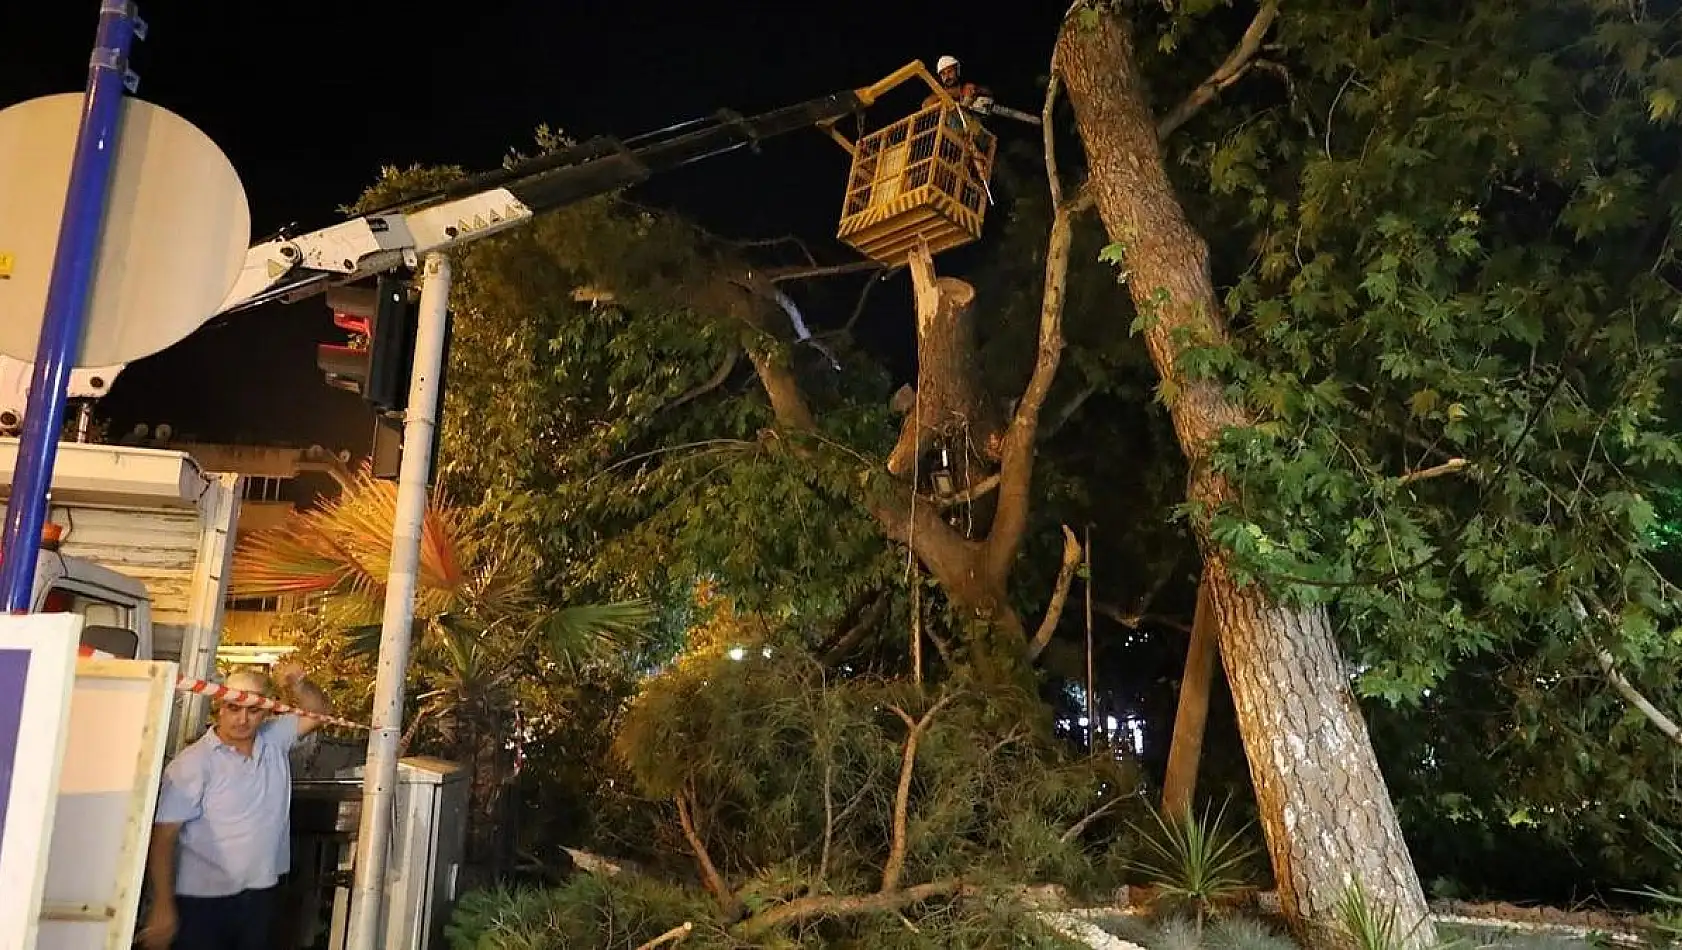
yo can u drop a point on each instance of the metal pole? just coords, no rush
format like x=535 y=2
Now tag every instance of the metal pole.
x=67 y=301
x=379 y=779
x=1091 y=681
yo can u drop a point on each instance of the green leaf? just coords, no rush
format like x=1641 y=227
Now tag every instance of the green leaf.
x=1661 y=104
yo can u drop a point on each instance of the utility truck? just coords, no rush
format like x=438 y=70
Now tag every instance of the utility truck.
x=139 y=543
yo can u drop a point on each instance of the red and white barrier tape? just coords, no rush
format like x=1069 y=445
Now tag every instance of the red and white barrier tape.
x=238 y=697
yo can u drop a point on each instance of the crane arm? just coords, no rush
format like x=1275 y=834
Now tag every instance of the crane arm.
x=292 y=268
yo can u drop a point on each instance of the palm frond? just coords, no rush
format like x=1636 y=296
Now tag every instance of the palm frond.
x=363 y=640
x=343 y=549
x=584 y=627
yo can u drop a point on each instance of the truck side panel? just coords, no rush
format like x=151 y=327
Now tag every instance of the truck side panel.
x=157 y=547
x=184 y=557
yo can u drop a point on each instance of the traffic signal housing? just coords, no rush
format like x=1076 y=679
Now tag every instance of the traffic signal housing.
x=375 y=367
x=378 y=360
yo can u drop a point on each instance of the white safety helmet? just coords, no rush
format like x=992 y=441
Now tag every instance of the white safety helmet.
x=944 y=63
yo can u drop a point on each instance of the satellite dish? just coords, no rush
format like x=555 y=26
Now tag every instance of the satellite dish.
x=177 y=226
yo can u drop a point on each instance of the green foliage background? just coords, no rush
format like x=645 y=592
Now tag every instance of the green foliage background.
x=1446 y=240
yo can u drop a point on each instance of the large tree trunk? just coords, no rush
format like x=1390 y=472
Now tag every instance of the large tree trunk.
x=996 y=640
x=1324 y=806
x=1179 y=785
x=950 y=408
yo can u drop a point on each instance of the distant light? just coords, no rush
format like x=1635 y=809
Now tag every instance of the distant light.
x=736 y=653
x=766 y=653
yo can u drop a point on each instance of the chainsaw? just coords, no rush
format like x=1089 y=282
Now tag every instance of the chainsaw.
x=986 y=106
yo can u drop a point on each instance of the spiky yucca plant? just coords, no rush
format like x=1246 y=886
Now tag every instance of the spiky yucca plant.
x=1194 y=861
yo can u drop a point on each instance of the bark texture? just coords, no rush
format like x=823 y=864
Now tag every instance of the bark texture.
x=950 y=407
x=1179 y=785
x=1324 y=806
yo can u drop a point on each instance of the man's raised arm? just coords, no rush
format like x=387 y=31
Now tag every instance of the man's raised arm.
x=304 y=694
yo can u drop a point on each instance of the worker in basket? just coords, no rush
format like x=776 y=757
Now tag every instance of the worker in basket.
x=971 y=99
x=967 y=94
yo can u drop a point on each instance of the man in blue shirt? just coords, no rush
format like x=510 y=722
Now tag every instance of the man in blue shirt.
x=220 y=836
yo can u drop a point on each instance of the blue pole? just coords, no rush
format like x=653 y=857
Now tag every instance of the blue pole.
x=67 y=302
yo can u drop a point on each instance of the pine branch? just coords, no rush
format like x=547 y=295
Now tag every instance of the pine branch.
x=828 y=821
x=807 y=908
x=1075 y=830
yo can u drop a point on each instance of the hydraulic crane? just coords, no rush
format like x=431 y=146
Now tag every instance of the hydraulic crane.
x=921 y=178
x=292 y=268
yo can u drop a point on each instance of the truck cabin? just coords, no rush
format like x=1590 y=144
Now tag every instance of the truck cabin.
x=115 y=609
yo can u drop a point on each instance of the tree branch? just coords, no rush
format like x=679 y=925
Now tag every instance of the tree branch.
x=1447 y=468
x=669 y=937
x=828 y=822
x=805 y=251
x=1619 y=682
x=1074 y=831
x=869 y=617
x=785 y=274
x=710 y=875
x=1627 y=689
x=1059 y=595
x=858 y=306
x=902 y=795
x=940 y=646
x=1068 y=411
x=712 y=382
x=1237 y=63
x=969 y=494
x=1135 y=619
x=807 y=908
x=1016 y=461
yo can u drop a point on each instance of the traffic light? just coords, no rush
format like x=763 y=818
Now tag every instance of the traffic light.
x=385 y=459
x=378 y=369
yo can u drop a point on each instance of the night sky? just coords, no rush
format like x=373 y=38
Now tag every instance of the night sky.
x=310 y=98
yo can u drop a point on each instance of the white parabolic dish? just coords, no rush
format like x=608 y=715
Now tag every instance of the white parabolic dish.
x=177 y=226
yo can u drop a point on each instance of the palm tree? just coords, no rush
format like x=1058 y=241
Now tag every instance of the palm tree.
x=484 y=634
